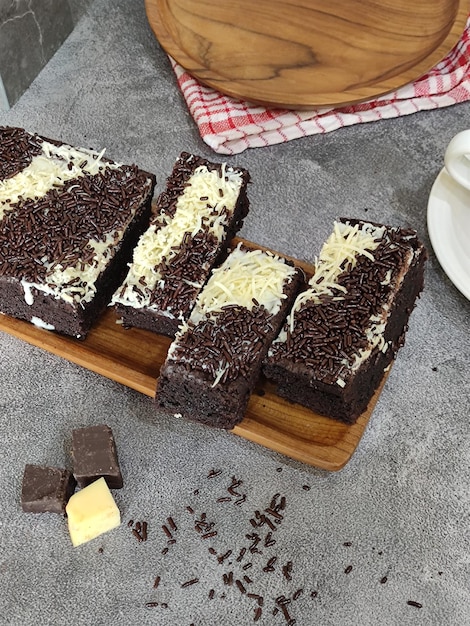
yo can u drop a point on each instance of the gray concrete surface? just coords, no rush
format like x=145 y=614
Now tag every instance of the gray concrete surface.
x=30 y=33
x=402 y=502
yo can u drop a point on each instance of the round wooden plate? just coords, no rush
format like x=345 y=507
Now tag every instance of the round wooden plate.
x=302 y=54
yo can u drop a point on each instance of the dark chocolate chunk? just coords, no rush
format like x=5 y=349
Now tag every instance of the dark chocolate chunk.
x=46 y=489
x=94 y=456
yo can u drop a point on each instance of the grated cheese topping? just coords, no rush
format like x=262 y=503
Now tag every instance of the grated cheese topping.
x=53 y=168
x=245 y=279
x=339 y=253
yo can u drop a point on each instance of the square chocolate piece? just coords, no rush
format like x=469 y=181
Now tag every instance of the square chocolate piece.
x=94 y=456
x=46 y=489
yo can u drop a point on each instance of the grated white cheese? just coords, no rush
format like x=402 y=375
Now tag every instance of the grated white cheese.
x=53 y=168
x=244 y=278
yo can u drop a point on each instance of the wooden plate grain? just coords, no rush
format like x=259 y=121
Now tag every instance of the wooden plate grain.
x=302 y=54
x=133 y=358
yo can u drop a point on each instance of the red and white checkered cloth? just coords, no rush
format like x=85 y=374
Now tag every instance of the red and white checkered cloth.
x=230 y=126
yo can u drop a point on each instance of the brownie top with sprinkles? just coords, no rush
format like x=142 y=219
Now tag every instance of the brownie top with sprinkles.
x=226 y=330
x=63 y=210
x=340 y=318
x=174 y=255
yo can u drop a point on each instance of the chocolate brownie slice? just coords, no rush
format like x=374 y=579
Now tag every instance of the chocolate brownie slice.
x=215 y=359
x=346 y=328
x=69 y=220
x=197 y=215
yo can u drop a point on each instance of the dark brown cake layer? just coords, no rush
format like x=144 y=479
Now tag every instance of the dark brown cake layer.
x=307 y=367
x=214 y=365
x=166 y=308
x=39 y=234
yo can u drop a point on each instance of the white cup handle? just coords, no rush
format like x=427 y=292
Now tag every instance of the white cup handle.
x=457 y=158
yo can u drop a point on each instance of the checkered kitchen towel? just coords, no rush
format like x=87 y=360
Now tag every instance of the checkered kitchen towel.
x=230 y=126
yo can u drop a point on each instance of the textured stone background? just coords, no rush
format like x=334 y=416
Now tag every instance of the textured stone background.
x=30 y=33
x=402 y=501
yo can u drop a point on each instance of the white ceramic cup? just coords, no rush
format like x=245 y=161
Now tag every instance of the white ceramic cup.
x=457 y=158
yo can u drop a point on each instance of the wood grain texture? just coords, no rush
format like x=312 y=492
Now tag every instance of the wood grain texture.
x=133 y=358
x=300 y=54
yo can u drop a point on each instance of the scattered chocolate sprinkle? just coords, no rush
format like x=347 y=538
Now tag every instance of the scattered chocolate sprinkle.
x=241 y=555
x=156 y=582
x=287 y=569
x=347 y=543
x=167 y=531
x=100 y=550
x=130 y=523
x=240 y=586
x=137 y=535
x=213 y=533
x=383 y=580
x=223 y=557
x=188 y=583
x=269 y=567
x=306 y=487
x=144 y=531
x=348 y=569
x=297 y=594
x=151 y=605
x=213 y=473
x=314 y=594
x=258 y=613
x=418 y=605
x=211 y=594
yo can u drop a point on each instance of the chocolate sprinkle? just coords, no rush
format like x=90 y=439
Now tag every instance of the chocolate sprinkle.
x=418 y=605
x=220 y=340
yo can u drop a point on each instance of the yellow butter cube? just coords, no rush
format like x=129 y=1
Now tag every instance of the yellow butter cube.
x=91 y=512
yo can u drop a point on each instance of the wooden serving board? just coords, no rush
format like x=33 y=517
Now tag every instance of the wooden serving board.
x=133 y=358
x=301 y=54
